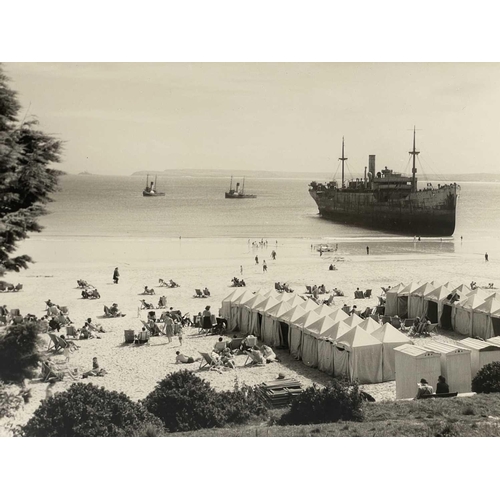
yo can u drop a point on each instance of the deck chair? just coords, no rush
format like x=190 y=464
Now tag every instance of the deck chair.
x=207 y=360
x=199 y=294
x=329 y=301
x=53 y=311
x=432 y=328
x=71 y=331
x=15 y=312
x=309 y=289
x=53 y=342
x=3 y=320
x=396 y=323
x=107 y=312
x=358 y=294
x=64 y=310
x=375 y=317
x=18 y=287
x=386 y=319
x=18 y=320
x=408 y=323
x=346 y=309
x=381 y=301
x=48 y=372
x=234 y=344
x=368 y=294
x=162 y=302
x=62 y=344
x=220 y=346
x=367 y=312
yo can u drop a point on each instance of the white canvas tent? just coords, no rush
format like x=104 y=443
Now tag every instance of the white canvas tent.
x=433 y=303
x=412 y=363
x=338 y=315
x=461 y=315
x=295 y=300
x=296 y=330
x=482 y=353
x=358 y=356
x=285 y=321
x=482 y=323
x=369 y=325
x=353 y=320
x=245 y=311
x=326 y=345
x=323 y=310
x=257 y=315
x=390 y=338
x=455 y=364
x=270 y=323
x=416 y=300
x=225 y=310
x=235 y=316
x=403 y=299
x=310 y=340
x=391 y=299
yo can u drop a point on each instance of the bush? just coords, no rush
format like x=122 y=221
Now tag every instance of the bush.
x=19 y=352
x=85 y=410
x=487 y=378
x=339 y=401
x=185 y=402
x=10 y=401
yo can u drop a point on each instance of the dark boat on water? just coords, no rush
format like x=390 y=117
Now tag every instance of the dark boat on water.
x=238 y=193
x=389 y=201
x=150 y=189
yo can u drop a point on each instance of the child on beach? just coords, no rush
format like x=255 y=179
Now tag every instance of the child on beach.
x=178 y=328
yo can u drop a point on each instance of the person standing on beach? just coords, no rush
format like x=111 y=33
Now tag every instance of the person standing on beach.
x=273 y=255
x=367 y=250
x=486 y=257
x=264 y=267
x=241 y=270
x=256 y=259
x=116 y=275
x=169 y=328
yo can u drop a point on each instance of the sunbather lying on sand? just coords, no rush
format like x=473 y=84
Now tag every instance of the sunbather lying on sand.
x=268 y=353
x=180 y=358
x=256 y=356
x=96 y=371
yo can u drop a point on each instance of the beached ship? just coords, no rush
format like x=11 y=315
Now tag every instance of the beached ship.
x=238 y=193
x=150 y=189
x=389 y=201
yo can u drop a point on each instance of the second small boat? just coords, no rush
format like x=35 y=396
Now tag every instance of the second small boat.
x=150 y=189
x=237 y=192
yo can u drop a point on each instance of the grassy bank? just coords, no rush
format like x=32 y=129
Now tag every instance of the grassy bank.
x=475 y=417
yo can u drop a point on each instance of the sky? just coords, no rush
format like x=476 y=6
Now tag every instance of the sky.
x=118 y=118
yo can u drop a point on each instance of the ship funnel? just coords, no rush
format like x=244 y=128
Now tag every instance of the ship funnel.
x=371 y=165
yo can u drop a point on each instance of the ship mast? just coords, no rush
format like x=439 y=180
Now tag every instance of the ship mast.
x=343 y=159
x=231 y=184
x=414 y=153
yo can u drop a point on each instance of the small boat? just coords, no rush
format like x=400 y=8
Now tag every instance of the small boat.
x=150 y=189
x=238 y=193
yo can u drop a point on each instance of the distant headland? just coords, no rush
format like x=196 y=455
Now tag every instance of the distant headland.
x=85 y=173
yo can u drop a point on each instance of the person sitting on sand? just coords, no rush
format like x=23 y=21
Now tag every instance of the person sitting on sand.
x=180 y=358
x=206 y=292
x=143 y=336
x=54 y=324
x=246 y=341
x=256 y=356
x=173 y=284
x=96 y=370
x=93 y=327
x=442 y=387
x=227 y=358
x=115 y=311
x=424 y=389
x=268 y=354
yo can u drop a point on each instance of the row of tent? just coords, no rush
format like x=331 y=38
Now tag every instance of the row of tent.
x=322 y=337
x=475 y=314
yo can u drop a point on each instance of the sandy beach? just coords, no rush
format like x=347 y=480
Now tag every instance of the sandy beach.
x=195 y=264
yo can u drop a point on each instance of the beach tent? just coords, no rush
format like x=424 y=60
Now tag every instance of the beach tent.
x=295 y=300
x=369 y=325
x=338 y=315
x=326 y=345
x=309 y=305
x=296 y=330
x=271 y=325
x=433 y=303
x=482 y=325
x=225 y=310
x=462 y=290
x=358 y=356
x=403 y=299
x=257 y=314
x=391 y=299
x=353 y=320
x=263 y=291
x=412 y=363
x=482 y=353
x=285 y=321
x=455 y=364
x=310 y=340
x=245 y=311
x=461 y=314
x=323 y=310
x=390 y=338
x=416 y=300
x=234 y=317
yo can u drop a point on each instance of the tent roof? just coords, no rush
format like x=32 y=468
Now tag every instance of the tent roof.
x=234 y=294
x=292 y=314
x=490 y=305
x=387 y=334
x=295 y=301
x=323 y=310
x=320 y=326
x=470 y=302
x=256 y=299
x=461 y=289
x=279 y=308
x=481 y=292
x=423 y=289
x=264 y=292
x=243 y=297
x=267 y=304
x=416 y=351
x=478 y=345
x=353 y=320
x=369 y=325
x=357 y=337
x=410 y=288
x=338 y=315
x=306 y=319
x=336 y=330
x=438 y=294
x=443 y=348
x=395 y=289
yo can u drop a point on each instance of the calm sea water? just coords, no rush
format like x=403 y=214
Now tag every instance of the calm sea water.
x=194 y=207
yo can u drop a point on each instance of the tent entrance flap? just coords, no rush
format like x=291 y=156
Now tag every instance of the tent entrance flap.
x=446 y=317
x=403 y=307
x=284 y=334
x=432 y=311
x=495 y=322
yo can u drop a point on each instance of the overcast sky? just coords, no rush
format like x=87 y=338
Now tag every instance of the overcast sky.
x=123 y=117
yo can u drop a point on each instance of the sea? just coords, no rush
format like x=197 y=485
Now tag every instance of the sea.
x=110 y=211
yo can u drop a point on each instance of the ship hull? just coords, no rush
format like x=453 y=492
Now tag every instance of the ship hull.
x=149 y=195
x=424 y=213
x=239 y=196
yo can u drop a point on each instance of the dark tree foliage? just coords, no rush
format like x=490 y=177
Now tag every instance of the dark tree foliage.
x=19 y=351
x=339 y=401
x=487 y=378
x=26 y=181
x=185 y=402
x=85 y=410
